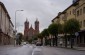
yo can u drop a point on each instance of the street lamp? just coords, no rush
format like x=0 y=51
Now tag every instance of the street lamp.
x=15 y=24
x=15 y=17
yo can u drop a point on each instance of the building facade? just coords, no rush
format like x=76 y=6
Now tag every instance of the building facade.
x=6 y=26
x=75 y=11
x=29 y=33
x=80 y=16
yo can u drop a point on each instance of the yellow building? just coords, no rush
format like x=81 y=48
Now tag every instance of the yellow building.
x=76 y=11
x=80 y=16
x=56 y=19
x=80 y=13
x=67 y=14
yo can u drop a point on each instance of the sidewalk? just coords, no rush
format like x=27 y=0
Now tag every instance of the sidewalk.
x=74 y=48
x=80 y=48
x=8 y=46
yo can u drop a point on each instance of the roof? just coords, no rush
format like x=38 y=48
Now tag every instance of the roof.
x=6 y=12
x=71 y=6
x=5 y=9
x=11 y=23
x=65 y=10
x=55 y=18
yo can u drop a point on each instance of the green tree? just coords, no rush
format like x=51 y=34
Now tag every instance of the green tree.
x=54 y=29
x=45 y=35
x=19 y=38
x=40 y=37
x=65 y=33
x=70 y=27
x=30 y=41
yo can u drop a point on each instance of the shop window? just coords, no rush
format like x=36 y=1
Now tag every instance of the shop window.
x=80 y=39
x=84 y=38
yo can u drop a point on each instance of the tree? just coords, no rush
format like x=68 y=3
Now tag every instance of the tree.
x=65 y=32
x=40 y=37
x=54 y=30
x=70 y=27
x=19 y=38
x=45 y=34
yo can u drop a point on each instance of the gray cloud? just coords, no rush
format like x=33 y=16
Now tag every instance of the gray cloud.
x=44 y=10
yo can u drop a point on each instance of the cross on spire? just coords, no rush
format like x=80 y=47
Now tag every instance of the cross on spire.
x=26 y=19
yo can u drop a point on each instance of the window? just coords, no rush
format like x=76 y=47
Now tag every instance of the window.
x=70 y=12
x=84 y=23
x=84 y=10
x=81 y=23
x=78 y=13
x=74 y=11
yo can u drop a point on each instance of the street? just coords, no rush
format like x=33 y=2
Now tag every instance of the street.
x=38 y=50
x=61 y=51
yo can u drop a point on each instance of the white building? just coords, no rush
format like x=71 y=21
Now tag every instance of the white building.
x=6 y=26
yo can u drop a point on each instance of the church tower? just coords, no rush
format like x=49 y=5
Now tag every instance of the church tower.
x=26 y=28
x=36 y=26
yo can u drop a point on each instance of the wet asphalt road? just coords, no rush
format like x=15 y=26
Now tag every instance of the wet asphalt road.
x=37 y=50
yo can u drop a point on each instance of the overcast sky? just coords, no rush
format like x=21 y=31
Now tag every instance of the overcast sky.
x=44 y=10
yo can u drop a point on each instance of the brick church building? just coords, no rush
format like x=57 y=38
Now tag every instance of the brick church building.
x=29 y=32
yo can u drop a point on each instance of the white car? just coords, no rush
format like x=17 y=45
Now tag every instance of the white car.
x=23 y=43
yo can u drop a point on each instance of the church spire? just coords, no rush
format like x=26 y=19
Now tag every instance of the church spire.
x=26 y=20
x=26 y=24
x=36 y=26
x=37 y=20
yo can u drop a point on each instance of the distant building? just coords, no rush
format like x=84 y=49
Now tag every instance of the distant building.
x=30 y=32
x=6 y=26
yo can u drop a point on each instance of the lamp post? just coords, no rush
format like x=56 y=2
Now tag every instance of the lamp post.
x=15 y=25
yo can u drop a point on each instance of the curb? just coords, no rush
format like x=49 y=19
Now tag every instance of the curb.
x=68 y=48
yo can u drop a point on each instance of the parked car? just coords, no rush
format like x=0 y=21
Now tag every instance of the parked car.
x=38 y=44
x=23 y=43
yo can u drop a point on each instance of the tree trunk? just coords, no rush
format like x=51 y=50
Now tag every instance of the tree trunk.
x=71 y=41
x=50 y=42
x=65 y=41
x=41 y=41
x=53 y=40
x=56 y=40
x=45 y=41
